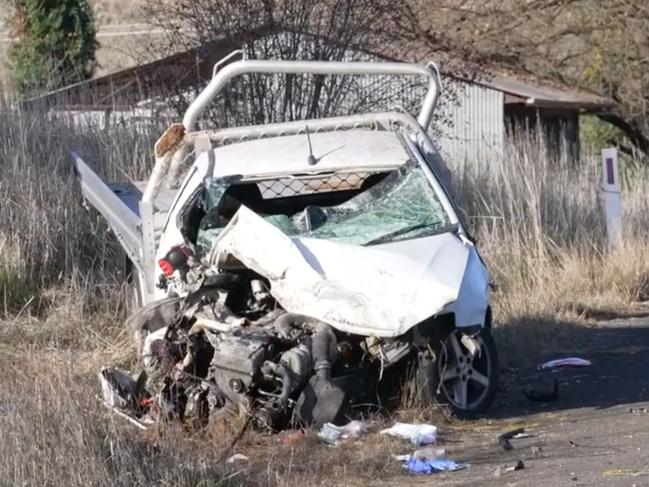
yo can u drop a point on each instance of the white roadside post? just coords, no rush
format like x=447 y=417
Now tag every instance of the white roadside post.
x=611 y=197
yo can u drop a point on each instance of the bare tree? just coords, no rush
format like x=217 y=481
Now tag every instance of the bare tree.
x=328 y=30
x=601 y=46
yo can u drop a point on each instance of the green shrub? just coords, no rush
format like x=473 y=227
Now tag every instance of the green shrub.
x=55 y=44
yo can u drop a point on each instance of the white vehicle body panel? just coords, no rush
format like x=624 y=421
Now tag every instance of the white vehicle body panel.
x=382 y=290
x=122 y=219
x=351 y=150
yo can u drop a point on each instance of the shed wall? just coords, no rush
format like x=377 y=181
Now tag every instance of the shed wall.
x=472 y=127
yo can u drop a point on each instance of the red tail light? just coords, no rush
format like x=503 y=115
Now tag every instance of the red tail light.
x=166 y=267
x=176 y=260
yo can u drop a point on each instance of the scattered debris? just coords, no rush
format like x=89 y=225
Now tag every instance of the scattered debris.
x=119 y=389
x=423 y=454
x=620 y=472
x=329 y=434
x=418 y=434
x=335 y=435
x=130 y=419
x=522 y=436
x=290 y=437
x=427 y=453
x=519 y=465
x=237 y=457
x=563 y=363
x=503 y=439
x=125 y=396
x=544 y=396
x=536 y=451
x=638 y=410
x=433 y=465
x=429 y=460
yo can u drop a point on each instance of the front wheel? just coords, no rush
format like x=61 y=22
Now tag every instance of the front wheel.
x=462 y=372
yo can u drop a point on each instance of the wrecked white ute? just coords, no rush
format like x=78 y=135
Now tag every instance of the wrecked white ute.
x=303 y=269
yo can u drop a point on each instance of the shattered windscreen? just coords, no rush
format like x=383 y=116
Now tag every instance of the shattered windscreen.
x=402 y=205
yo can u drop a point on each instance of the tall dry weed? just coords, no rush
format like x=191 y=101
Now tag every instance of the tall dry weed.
x=55 y=432
x=539 y=221
x=41 y=213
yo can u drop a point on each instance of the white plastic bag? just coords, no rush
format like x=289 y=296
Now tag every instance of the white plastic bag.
x=418 y=434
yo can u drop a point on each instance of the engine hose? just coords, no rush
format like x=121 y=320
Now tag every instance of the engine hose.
x=287 y=382
x=323 y=349
x=323 y=340
x=285 y=376
x=225 y=281
x=288 y=321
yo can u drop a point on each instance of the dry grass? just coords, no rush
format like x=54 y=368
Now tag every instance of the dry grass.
x=47 y=238
x=537 y=219
x=540 y=225
x=55 y=432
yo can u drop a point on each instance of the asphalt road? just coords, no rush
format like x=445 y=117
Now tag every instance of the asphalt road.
x=596 y=433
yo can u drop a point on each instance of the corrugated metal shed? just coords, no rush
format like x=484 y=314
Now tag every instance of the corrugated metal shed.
x=472 y=129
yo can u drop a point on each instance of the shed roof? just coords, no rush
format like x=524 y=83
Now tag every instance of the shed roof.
x=127 y=88
x=542 y=94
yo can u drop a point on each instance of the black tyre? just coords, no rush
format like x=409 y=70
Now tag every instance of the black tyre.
x=462 y=372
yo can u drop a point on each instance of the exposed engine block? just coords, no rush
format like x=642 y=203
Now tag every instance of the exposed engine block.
x=237 y=361
x=239 y=351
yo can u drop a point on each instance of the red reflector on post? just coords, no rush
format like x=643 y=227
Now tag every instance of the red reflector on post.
x=610 y=172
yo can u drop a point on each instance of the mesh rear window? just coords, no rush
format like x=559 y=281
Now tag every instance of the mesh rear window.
x=287 y=187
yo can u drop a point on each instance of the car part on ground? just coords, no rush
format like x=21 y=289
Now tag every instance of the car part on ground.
x=518 y=465
x=565 y=363
x=504 y=438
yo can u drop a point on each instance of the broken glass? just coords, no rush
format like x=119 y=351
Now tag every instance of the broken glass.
x=403 y=205
x=210 y=226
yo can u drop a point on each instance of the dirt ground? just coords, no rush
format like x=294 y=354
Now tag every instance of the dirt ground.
x=596 y=433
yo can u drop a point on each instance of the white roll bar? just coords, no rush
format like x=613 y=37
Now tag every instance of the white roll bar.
x=238 y=68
